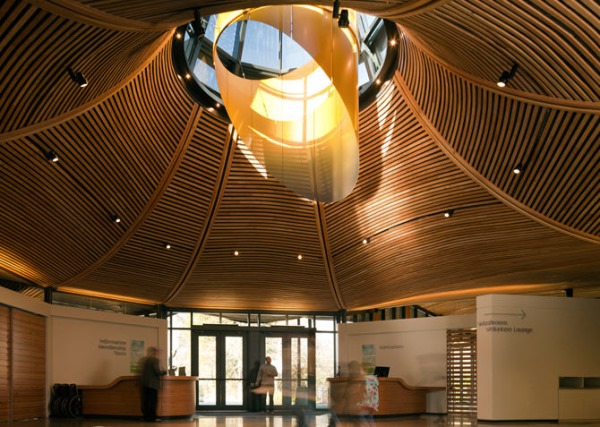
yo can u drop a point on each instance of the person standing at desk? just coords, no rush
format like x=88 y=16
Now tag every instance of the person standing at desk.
x=265 y=381
x=150 y=383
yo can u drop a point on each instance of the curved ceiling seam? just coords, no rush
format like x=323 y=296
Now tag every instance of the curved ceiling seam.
x=94 y=294
x=88 y=15
x=571 y=105
x=328 y=264
x=153 y=201
x=412 y=9
x=475 y=175
x=76 y=112
x=451 y=294
x=213 y=210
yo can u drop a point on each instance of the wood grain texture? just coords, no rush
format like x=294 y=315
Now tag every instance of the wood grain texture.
x=395 y=397
x=176 y=398
x=5 y=368
x=28 y=365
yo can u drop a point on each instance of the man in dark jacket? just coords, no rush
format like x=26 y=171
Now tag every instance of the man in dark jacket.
x=150 y=383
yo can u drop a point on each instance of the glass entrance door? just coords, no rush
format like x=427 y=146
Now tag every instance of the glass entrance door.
x=294 y=356
x=218 y=361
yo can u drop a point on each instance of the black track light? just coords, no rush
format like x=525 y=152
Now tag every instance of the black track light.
x=336 y=9
x=197 y=25
x=344 y=22
x=507 y=75
x=77 y=77
x=52 y=156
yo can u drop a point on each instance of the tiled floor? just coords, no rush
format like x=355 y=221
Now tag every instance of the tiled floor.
x=287 y=420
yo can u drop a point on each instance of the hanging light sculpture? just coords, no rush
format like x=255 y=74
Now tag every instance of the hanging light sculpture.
x=302 y=125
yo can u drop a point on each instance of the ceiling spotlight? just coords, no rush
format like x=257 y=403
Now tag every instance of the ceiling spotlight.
x=77 y=77
x=344 y=22
x=52 y=156
x=336 y=9
x=178 y=35
x=449 y=213
x=197 y=25
x=167 y=246
x=507 y=75
x=366 y=241
x=236 y=253
x=116 y=219
x=518 y=169
x=299 y=257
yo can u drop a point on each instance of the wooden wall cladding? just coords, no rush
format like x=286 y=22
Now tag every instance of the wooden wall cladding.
x=28 y=365
x=4 y=363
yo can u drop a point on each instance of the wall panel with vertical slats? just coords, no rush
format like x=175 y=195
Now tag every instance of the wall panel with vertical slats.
x=4 y=363
x=461 y=354
x=28 y=365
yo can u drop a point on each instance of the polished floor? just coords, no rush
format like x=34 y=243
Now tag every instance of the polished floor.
x=287 y=420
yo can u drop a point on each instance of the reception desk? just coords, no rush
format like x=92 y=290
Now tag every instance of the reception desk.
x=176 y=398
x=395 y=396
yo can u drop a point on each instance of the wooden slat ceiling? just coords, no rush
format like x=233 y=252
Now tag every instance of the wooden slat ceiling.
x=440 y=136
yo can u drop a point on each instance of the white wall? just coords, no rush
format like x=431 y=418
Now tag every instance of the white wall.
x=22 y=302
x=90 y=347
x=524 y=344
x=414 y=349
x=78 y=341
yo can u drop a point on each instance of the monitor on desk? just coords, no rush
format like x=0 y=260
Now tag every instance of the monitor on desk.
x=382 y=371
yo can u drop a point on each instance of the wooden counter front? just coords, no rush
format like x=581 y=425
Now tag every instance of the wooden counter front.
x=395 y=396
x=176 y=397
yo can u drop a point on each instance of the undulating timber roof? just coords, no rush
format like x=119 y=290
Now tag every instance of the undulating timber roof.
x=440 y=136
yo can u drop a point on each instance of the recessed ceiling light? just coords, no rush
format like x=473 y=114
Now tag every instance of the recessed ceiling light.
x=52 y=156
x=167 y=246
x=236 y=253
x=449 y=213
x=299 y=257
x=116 y=219
x=518 y=169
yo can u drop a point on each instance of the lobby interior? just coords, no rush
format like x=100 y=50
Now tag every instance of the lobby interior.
x=126 y=192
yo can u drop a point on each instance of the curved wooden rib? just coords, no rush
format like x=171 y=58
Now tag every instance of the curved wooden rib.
x=327 y=256
x=152 y=202
x=77 y=111
x=79 y=12
x=219 y=190
x=458 y=130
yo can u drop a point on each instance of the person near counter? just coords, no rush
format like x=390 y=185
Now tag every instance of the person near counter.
x=150 y=373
